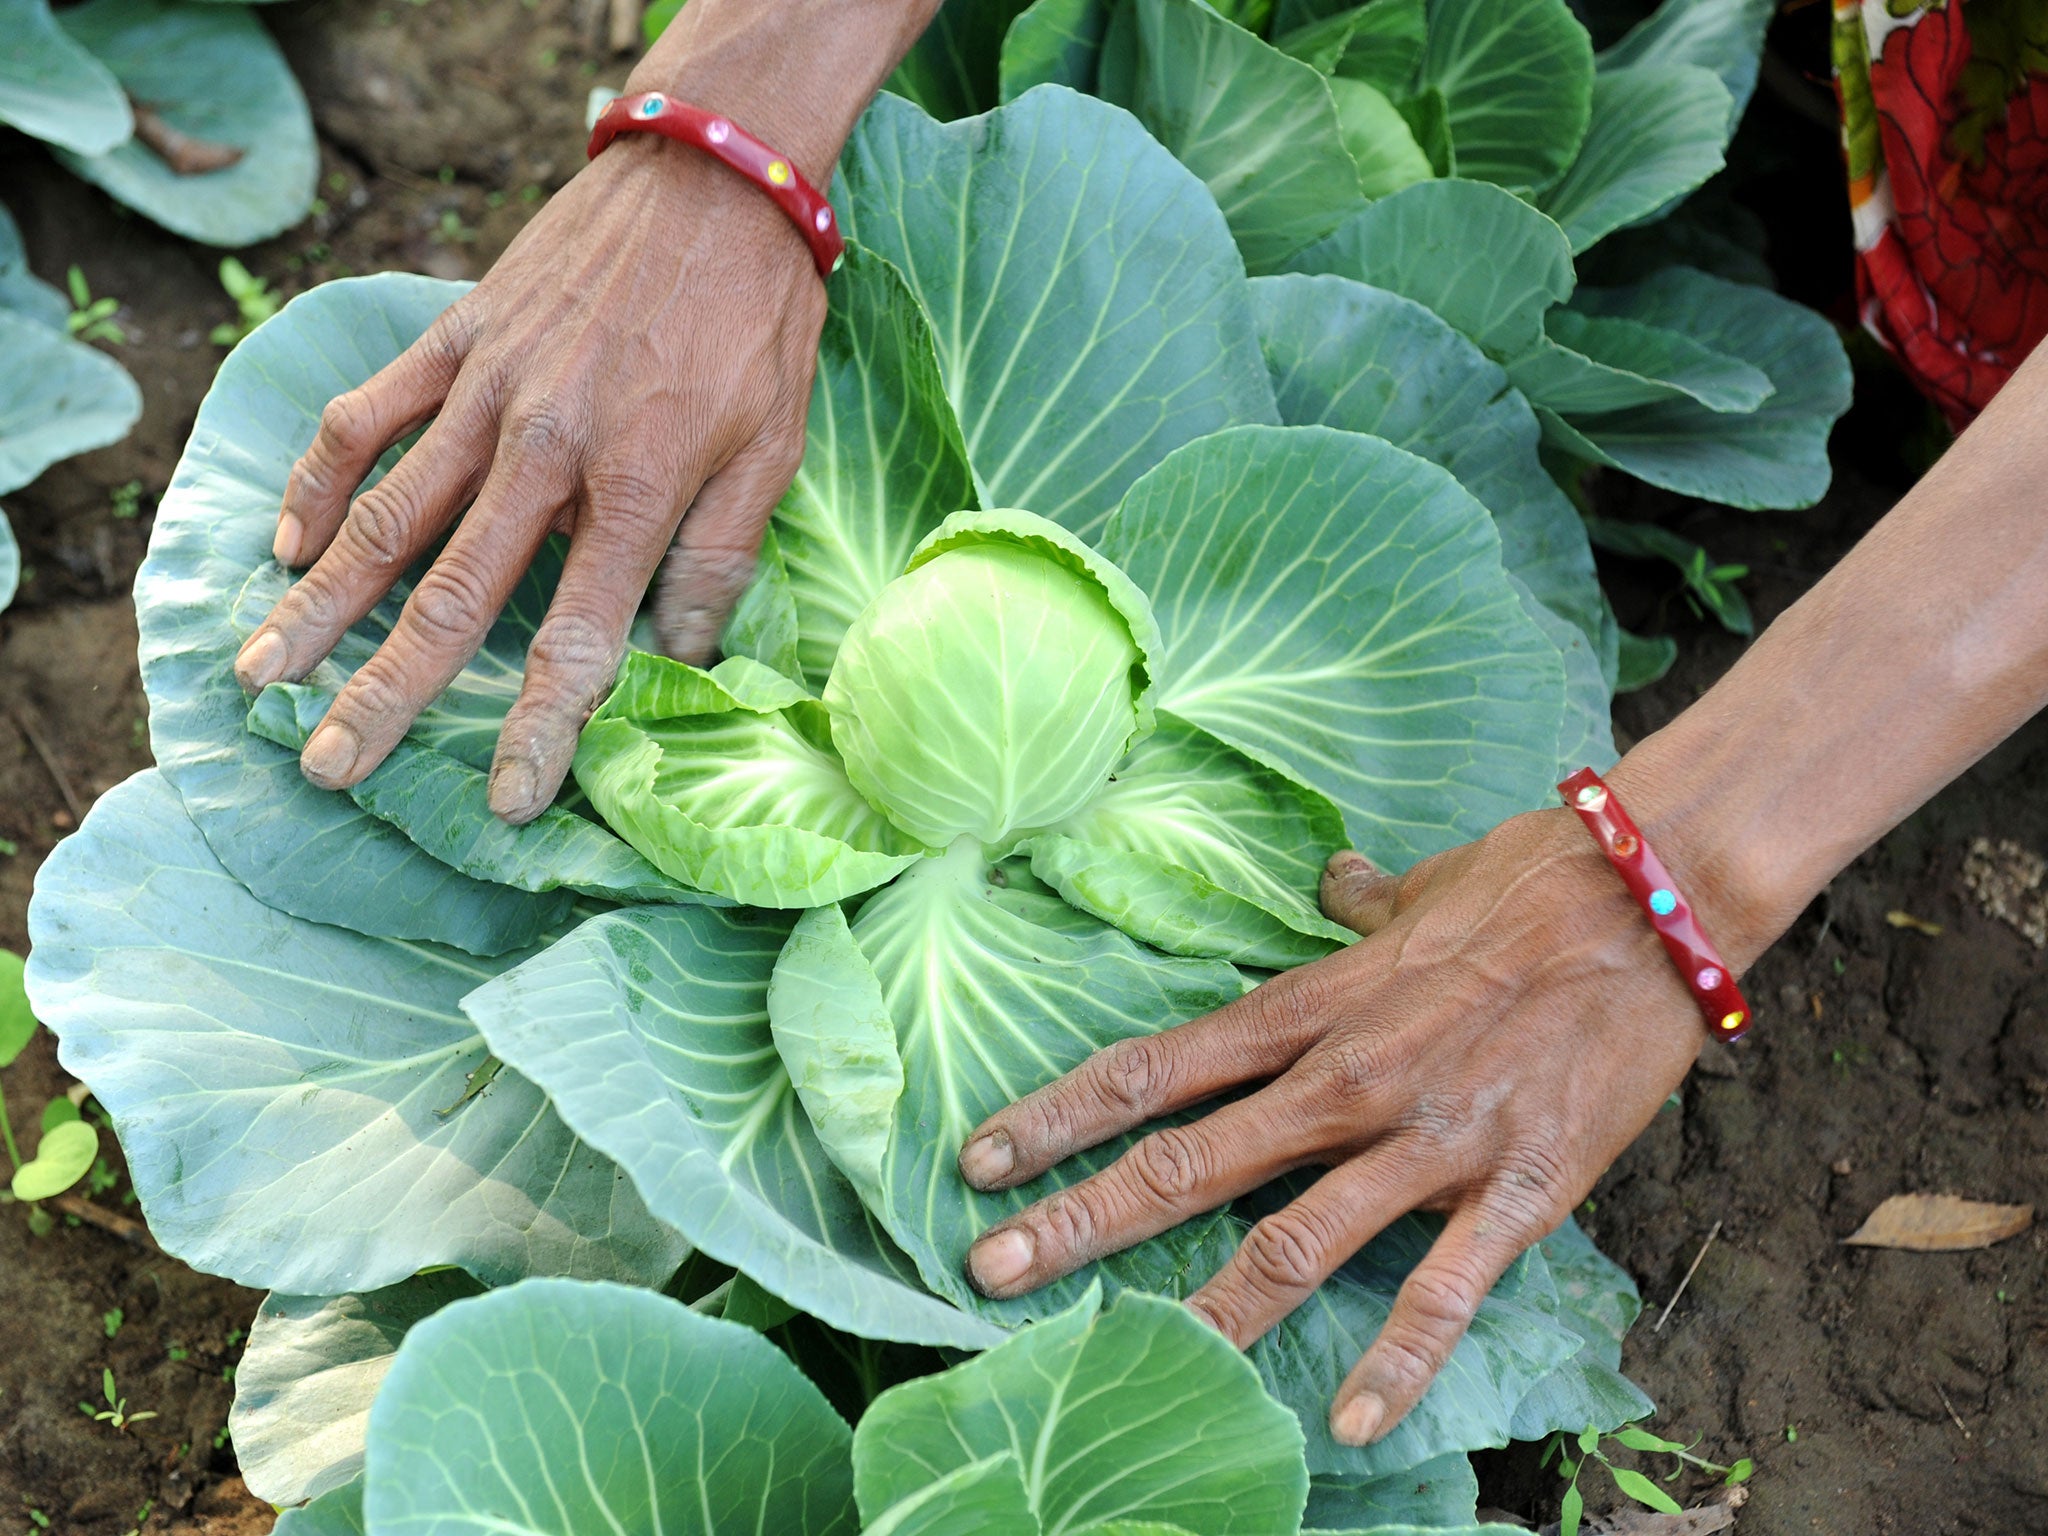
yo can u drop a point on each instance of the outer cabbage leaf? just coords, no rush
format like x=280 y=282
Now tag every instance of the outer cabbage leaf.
x=763 y=624
x=292 y=1097
x=992 y=687
x=1040 y=240
x=10 y=563
x=1136 y=1410
x=339 y=1513
x=442 y=804
x=1199 y=850
x=995 y=990
x=1516 y=77
x=1598 y=1300
x=950 y=70
x=649 y=1030
x=1348 y=620
x=213 y=72
x=1260 y=128
x=1482 y=258
x=54 y=90
x=563 y=1408
x=1442 y=1491
x=21 y=291
x=1594 y=363
x=1377 y=137
x=1054 y=42
x=1714 y=34
x=1585 y=736
x=1365 y=360
x=987 y=1497
x=884 y=463
x=208 y=581
x=58 y=397
x=304 y=1384
x=1656 y=134
x=1776 y=455
x=727 y=781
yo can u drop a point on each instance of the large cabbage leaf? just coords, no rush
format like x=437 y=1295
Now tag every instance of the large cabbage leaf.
x=1087 y=305
x=304 y=1108
x=1350 y=621
x=1516 y=79
x=58 y=397
x=564 y=1408
x=213 y=73
x=1136 y=1410
x=1656 y=134
x=209 y=580
x=53 y=89
x=649 y=1028
x=21 y=291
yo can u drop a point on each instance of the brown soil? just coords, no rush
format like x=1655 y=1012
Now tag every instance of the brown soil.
x=1886 y=1060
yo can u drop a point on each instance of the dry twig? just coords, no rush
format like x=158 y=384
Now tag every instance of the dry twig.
x=49 y=761
x=1690 y=1272
x=124 y=1227
x=179 y=150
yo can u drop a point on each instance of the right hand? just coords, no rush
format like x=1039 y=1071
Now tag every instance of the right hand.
x=634 y=373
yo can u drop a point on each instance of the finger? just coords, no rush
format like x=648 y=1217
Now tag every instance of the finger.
x=573 y=659
x=1175 y=1173
x=358 y=426
x=1285 y=1256
x=1358 y=893
x=386 y=529
x=719 y=543
x=1139 y=1079
x=1434 y=1307
x=443 y=622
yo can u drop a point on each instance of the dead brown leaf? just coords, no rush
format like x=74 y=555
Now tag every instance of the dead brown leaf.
x=1940 y=1224
x=1900 y=919
x=1704 y=1521
x=184 y=154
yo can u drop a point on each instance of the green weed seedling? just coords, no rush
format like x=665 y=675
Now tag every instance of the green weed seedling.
x=254 y=303
x=125 y=501
x=69 y=1147
x=111 y=1320
x=91 y=319
x=116 y=1412
x=1633 y=1484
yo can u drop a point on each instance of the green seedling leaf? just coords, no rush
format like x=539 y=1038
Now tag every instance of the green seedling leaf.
x=17 y=1019
x=62 y=1158
x=59 y=1111
x=1644 y=1492
x=1638 y=1439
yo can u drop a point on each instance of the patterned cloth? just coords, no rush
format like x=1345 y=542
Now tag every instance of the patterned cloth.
x=1945 y=127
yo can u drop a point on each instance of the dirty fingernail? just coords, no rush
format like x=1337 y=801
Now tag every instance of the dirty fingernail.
x=987 y=1159
x=512 y=790
x=330 y=755
x=262 y=661
x=1358 y=1421
x=290 y=534
x=1000 y=1259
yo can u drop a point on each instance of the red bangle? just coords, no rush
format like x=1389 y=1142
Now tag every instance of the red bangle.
x=1699 y=963
x=725 y=140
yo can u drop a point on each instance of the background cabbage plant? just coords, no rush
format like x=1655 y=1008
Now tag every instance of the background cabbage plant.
x=1068 y=661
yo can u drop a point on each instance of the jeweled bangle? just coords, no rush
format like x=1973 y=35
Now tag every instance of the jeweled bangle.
x=1699 y=964
x=726 y=141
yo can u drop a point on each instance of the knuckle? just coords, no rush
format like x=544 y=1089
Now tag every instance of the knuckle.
x=1444 y=1296
x=541 y=430
x=1285 y=1251
x=451 y=602
x=573 y=650
x=349 y=421
x=1069 y=1221
x=1169 y=1164
x=1356 y=1069
x=1132 y=1075
x=1407 y=1363
x=619 y=490
x=372 y=696
x=446 y=343
x=379 y=529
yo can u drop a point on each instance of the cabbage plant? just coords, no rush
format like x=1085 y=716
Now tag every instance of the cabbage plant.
x=1066 y=665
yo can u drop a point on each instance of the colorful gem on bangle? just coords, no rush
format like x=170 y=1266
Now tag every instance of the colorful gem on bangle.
x=1663 y=902
x=1591 y=797
x=778 y=172
x=1625 y=846
x=824 y=220
x=652 y=106
x=718 y=130
x=1708 y=979
x=1733 y=1021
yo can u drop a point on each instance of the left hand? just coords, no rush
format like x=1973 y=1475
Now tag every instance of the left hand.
x=1507 y=1027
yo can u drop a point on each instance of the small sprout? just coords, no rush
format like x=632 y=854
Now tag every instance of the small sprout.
x=235 y=1336
x=317 y=208
x=91 y=319
x=177 y=1353
x=446 y=175
x=220 y=1437
x=451 y=230
x=254 y=303
x=337 y=182
x=116 y=1412
x=111 y=1320
x=125 y=501
x=530 y=193
x=1631 y=1483
x=8 y=848
x=495 y=198
x=550 y=57
x=1791 y=1434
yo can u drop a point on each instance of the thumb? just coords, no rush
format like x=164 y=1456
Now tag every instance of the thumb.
x=718 y=545
x=1358 y=893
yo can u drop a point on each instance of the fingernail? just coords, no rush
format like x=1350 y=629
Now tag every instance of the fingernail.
x=262 y=661
x=512 y=790
x=330 y=755
x=290 y=534
x=1000 y=1259
x=1358 y=1421
x=987 y=1160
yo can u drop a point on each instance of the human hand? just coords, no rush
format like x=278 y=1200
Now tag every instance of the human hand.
x=634 y=373
x=1507 y=1027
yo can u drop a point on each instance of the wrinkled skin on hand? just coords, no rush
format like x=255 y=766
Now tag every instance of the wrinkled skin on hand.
x=1507 y=1026
x=634 y=373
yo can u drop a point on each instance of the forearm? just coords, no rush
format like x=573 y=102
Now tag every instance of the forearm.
x=1921 y=651
x=796 y=72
